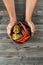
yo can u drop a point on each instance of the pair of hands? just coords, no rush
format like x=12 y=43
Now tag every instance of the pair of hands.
x=11 y=24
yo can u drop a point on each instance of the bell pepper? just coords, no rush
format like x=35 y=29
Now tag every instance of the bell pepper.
x=23 y=39
x=23 y=26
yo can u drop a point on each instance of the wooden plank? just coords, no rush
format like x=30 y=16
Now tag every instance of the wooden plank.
x=30 y=53
x=24 y=52
x=22 y=56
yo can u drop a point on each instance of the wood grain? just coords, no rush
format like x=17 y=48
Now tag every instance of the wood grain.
x=30 y=53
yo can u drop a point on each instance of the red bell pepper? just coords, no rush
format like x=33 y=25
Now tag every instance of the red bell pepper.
x=23 y=39
x=23 y=26
x=23 y=32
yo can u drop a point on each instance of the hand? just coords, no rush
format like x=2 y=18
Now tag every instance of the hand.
x=9 y=28
x=32 y=26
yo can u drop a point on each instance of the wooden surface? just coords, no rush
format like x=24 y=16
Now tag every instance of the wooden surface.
x=30 y=53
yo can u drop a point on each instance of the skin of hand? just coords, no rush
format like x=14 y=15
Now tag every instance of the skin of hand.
x=9 y=28
x=30 y=6
x=32 y=26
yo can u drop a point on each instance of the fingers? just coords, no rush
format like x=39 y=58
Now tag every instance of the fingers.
x=9 y=34
x=32 y=27
x=9 y=30
x=32 y=34
x=33 y=31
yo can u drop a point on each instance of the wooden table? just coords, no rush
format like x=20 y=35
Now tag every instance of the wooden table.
x=30 y=53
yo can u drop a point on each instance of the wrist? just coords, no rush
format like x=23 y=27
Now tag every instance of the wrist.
x=12 y=22
x=13 y=19
x=28 y=20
